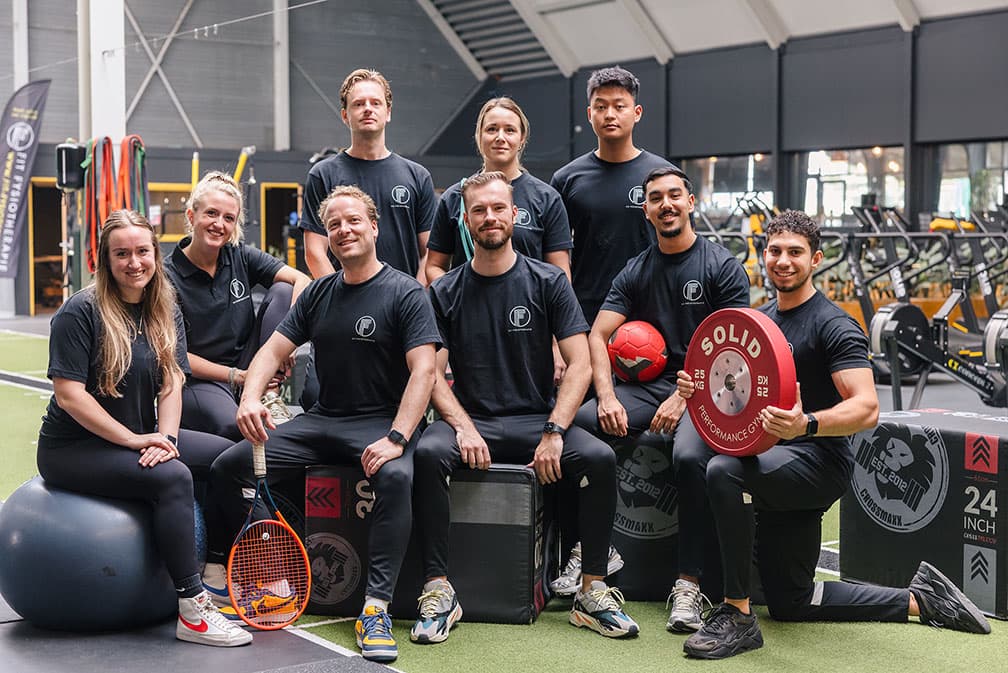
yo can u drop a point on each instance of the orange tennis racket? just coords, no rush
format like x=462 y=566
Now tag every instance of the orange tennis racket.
x=268 y=575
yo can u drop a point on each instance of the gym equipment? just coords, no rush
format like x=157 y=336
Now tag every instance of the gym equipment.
x=637 y=351
x=926 y=485
x=740 y=362
x=81 y=563
x=901 y=333
x=502 y=553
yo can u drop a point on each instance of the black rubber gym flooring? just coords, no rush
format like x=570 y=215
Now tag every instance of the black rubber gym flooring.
x=26 y=649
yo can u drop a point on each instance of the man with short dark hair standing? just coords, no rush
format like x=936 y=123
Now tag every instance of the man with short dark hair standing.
x=602 y=189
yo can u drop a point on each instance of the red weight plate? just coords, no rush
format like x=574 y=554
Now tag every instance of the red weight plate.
x=740 y=362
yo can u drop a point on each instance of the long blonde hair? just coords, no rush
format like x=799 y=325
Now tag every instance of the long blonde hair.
x=115 y=352
x=219 y=181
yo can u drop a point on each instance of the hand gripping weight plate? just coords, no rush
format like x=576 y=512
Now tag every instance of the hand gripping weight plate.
x=740 y=362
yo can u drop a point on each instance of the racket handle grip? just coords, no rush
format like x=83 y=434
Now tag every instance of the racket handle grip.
x=259 y=460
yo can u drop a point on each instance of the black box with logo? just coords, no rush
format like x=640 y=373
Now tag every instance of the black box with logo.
x=928 y=484
x=646 y=527
x=502 y=544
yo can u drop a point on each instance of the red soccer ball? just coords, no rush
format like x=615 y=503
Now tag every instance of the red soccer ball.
x=637 y=352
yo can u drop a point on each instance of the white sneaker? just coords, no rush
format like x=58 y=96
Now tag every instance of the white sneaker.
x=688 y=605
x=601 y=610
x=569 y=580
x=199 y=621
x=439 y=612
x=215 y=584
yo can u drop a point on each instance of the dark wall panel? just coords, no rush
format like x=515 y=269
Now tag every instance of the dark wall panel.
x=722 y=102
x=330 y=40
x=961 y=86
x=650 y=131
x=844 y=90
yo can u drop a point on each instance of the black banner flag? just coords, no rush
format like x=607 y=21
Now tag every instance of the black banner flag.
x=19 y=139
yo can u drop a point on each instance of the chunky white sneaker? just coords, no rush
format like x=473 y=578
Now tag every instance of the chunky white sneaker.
x=215 y=584
x=439 y=612
x=199 y=621
x=688 y=605
x=570 y=579
x=277 y=408
x=601 y=610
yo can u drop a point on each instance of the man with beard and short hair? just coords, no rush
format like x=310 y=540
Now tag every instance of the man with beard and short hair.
x=498 y=314
x=673 y=285
x=792 y=484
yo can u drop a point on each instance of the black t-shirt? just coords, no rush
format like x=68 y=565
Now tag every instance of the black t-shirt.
x=824 y=339
x=361 y=333
x=676 y=292
x=603 y=202
x=540 y=227
x=218 y=311
x=402 y=190
x=499 y=334
x=74 y=339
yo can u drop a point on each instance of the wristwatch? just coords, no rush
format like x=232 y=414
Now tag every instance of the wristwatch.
x=397 y=437
x=553 y=428
x=173 y=439
x=812 y=426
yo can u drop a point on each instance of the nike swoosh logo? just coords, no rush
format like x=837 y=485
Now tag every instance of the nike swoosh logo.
x=263 y=609
x=198 y=628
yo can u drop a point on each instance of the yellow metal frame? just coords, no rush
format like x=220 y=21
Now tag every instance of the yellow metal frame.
x=263 y=186
x=42 y=182
x=178 y=187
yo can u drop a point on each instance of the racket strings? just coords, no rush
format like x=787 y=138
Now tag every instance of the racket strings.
x=267 y=574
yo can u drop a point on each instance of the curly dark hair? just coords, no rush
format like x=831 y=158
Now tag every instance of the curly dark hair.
x=795 y=222
x=615 y=76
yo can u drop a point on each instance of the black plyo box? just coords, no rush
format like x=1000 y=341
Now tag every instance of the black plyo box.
x=500 y=542
x=929 y=484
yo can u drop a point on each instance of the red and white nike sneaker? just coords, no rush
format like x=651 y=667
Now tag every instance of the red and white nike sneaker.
x=199 y=621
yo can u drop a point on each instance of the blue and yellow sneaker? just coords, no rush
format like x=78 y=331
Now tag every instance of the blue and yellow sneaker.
x=601 y=610
x=215 y=584
x=374 y=635
x=439 y=612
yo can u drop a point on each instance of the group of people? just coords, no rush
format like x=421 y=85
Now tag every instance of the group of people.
x=517 y=286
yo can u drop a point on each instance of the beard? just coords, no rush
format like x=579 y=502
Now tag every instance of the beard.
x=492 y=241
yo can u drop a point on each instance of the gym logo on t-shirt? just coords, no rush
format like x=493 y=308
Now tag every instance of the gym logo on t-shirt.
x=238 y=291
x=901 y=475
x=523 y=219
x=365 y=327
x=636 y=195
x=692 y=291
x=520 y=317
x=400 y=196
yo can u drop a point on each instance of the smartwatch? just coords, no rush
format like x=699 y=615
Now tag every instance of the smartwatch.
x=553 y=428
x=397 y=437
x=173 y=439
x=812 y=427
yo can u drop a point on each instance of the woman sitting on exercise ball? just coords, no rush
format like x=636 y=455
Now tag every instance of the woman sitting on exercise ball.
x=117 y=362
x=214 y=273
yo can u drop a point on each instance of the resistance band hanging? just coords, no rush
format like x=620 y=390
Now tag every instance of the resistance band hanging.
x=99 y=193
x=132 y=183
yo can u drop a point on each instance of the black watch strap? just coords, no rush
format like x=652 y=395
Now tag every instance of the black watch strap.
x=397 y=437
x=173 y=439
x=811 y=426
x=553 y=428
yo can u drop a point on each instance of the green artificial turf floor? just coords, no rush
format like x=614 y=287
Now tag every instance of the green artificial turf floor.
x=551 y=645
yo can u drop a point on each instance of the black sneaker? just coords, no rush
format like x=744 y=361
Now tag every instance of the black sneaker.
x=942 y=604
x=726 y=632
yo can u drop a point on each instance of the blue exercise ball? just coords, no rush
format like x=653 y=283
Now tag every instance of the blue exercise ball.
x=81 y=563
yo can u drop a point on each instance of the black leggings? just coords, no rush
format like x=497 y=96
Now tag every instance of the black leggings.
x=94 y=466
x=211 y=406
x=790 y=486
x=314 y=439
x=587 y=464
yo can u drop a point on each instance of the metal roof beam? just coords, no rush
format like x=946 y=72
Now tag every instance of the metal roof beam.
x=774 y=31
